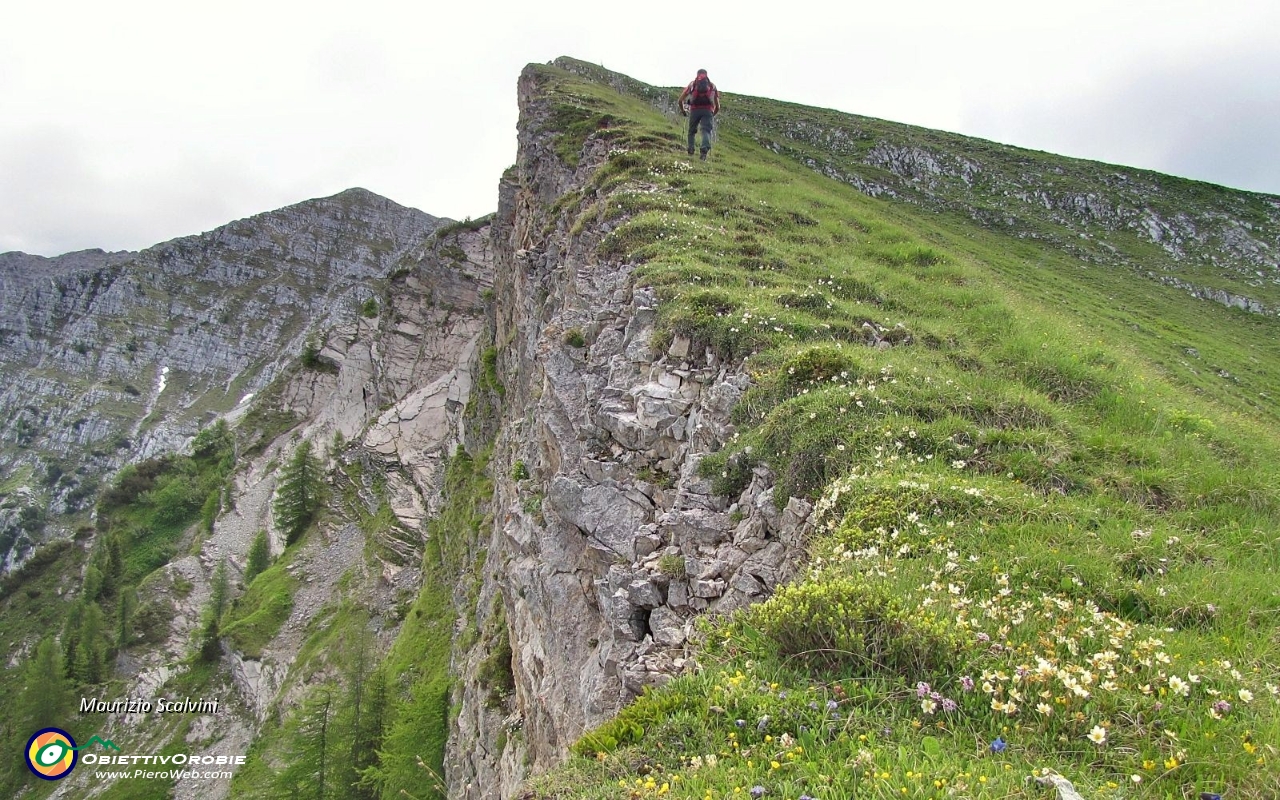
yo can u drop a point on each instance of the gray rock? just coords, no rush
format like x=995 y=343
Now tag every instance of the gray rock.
x=601 y=511
x=679 y=347
x=707 y=588
x=644 y=594
x=667 y=627
x=626 y=621
x=769 y=564
x=678 y=594
x=747 y=584
x=768 y=511
x=695 y=526
x=750 y=534
x=796 y=512
x=647 y=544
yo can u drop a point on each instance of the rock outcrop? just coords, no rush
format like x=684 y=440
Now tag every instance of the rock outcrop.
x=606 y=541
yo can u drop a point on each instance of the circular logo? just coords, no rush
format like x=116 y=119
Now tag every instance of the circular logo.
x=51 y=754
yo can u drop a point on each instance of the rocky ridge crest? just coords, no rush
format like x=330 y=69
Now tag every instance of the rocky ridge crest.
x=606 y=541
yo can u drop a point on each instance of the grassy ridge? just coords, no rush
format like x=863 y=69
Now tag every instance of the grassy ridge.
x=1047 y=529
x=1101 y=213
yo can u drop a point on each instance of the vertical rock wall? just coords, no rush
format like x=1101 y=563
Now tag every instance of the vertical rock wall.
x=605 y=542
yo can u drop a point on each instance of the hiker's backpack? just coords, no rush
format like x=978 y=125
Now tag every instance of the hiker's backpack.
x=701 y=97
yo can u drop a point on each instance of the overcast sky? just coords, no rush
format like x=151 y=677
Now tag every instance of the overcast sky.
x=124 y=123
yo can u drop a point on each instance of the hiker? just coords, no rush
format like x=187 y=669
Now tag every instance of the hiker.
x=704 y=104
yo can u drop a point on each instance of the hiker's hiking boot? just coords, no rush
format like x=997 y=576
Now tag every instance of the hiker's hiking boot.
x=690 y=151
x=704 y=154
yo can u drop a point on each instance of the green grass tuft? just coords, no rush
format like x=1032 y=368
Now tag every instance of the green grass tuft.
x=255 y=619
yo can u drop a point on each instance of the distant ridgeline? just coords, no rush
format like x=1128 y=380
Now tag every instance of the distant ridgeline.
x=107 y=358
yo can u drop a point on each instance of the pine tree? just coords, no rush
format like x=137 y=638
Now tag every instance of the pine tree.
x=370 y=731
x=258 y=559
x=210 y=640
x=108 y=560
x=71 y=636
x=44 y=699
x=88 y=662
x=309 y=750
x=128 y=599
x=210 y=637
x=299 y=493
x=45 y=694
x=92 y=583
x=112 y=563
x=219 y=590
x=362 y=714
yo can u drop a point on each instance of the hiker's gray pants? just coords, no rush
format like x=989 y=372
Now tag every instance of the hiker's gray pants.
x=701 y=118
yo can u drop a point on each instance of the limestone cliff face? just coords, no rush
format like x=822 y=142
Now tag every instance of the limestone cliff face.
x=605 y=543
x=107 y=358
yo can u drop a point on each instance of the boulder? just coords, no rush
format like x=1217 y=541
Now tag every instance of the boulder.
x=602 y=511
x=667 y=627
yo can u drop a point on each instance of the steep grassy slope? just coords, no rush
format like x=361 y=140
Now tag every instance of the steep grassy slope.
x=1045 y=488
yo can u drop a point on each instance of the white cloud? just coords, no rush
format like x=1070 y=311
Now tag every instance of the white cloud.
x=131 y=122
x=1209 y=115
x=58 y=192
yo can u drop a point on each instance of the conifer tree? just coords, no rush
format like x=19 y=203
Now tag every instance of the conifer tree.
x=258 y=559
x=45 y=692
x=369 y=732
x=108 y=560
x=41 y=698
x=92 y=586
x=310 y=750
x=88 y=661
x=125 y=604
x=71 y=636
x=362 y=714
x=210 y=637
x=299 y=493
x=219 y=590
